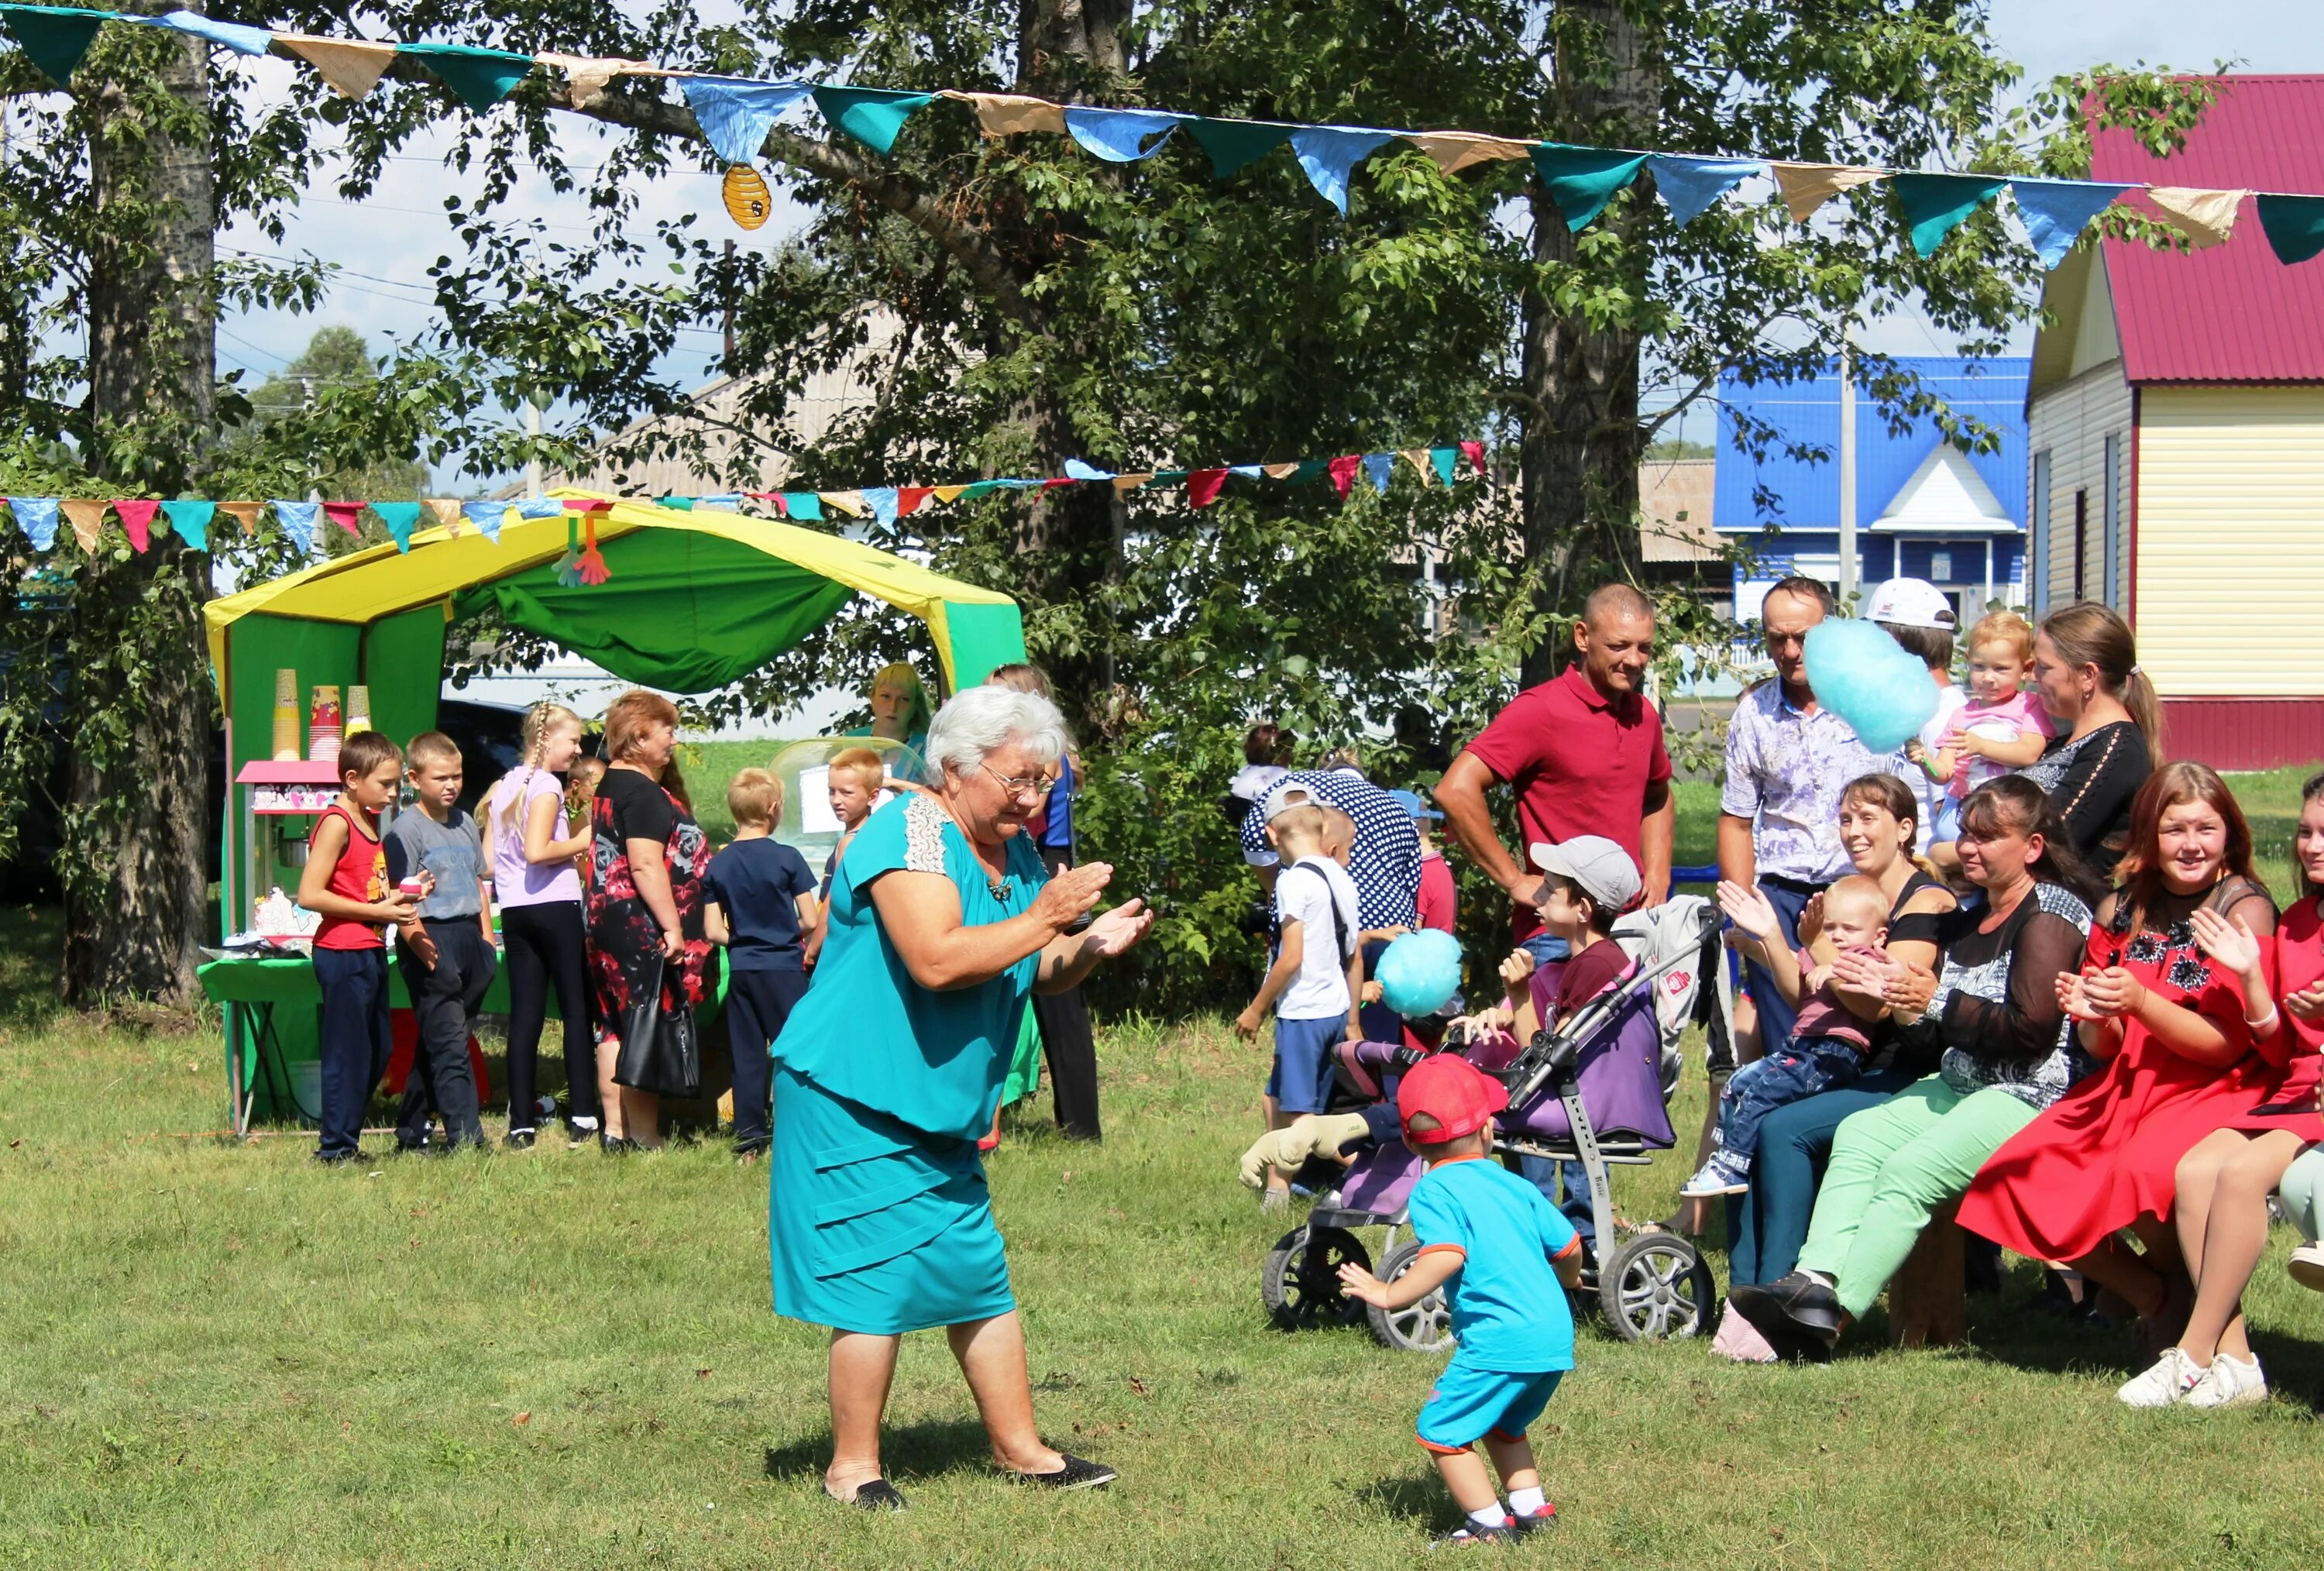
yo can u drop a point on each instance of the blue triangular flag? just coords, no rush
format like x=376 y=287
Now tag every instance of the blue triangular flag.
x=736 y=114
x=1688 y=186
x=881 y=501
x=401 y=517
x=233 y=35
x=539 y=507
x=486 y=516
x=297 y=521
x=1078 y=470
x=1328 y=153
x=1119 y=135
x=1378 y=467
x=803 y=504
x=2055 y=212
x=37 y=517
x=1248 y=471
x=721 y=500
x=191 y=520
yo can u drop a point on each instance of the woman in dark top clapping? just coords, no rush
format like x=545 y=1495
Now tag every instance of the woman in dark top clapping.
x=2086 y=667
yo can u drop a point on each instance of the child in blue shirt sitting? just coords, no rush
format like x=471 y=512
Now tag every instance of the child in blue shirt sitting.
x=1501 y=1253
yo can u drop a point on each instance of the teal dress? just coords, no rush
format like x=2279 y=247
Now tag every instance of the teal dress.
x=877 y=1218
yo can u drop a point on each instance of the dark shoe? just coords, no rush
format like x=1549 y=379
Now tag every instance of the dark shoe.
x=614 y=1145
x=1075 y=1474
x=1798 y=1315
x=333 y=1159
x=1546 y=1517
x=875 y=1495
x=1471 y=1533
x=750 y=1151
x=519 y=1140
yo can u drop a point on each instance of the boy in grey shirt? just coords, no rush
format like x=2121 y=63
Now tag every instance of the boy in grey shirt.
x=446 y=957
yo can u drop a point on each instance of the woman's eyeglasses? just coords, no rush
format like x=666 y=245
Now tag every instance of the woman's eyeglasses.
x=1029 y=785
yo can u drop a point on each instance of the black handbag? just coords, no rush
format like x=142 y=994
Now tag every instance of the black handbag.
x=660 y=1051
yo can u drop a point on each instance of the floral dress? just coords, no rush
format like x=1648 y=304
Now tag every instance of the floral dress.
x=2107 y=1152
x=623 y=934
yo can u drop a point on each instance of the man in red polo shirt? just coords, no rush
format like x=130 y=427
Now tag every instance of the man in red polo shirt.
x=1585 y=752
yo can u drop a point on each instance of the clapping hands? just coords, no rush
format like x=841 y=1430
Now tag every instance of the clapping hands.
x=2229 y=940
x=2096 y=994
x=1748 y=909
x=1117 y=929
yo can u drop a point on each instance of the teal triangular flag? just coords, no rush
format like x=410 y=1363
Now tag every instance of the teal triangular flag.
x=872 y=116
x=2055 y=212
x=1231 y=144
x=977 y=488
x=803 y=504
x=2295 y=225
x=1443 y=460
x=1583 y=180
x=54 y=37
x=676 y=504
x=478 y=77
x=401 y=517
x=1935 y=205
x=191 y=520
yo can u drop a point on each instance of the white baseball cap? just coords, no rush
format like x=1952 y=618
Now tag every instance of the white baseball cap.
x=1604 y=870
x=1911 y=603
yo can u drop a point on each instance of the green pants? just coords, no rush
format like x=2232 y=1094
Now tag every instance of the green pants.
x=1892 y=1165
x=2302 y=1190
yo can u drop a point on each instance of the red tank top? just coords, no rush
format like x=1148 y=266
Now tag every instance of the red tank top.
x=360 y=874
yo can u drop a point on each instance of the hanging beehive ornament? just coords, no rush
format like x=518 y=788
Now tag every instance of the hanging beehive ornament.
x=748 y=201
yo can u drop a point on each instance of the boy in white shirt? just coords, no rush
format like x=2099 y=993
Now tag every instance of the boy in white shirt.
x=1318 y=975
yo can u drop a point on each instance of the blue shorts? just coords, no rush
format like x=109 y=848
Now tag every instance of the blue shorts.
x=1469 y=1403
x=1301 y=1080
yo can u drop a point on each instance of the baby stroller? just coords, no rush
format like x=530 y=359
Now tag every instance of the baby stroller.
x=1594 y=1091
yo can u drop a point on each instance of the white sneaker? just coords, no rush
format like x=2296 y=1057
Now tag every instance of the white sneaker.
x=2174 y=1374
x=1712 y=1179
x=2307 y=1266
x=2229 y=1383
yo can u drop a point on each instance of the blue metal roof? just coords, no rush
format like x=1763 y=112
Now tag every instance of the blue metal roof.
x=1807 y=494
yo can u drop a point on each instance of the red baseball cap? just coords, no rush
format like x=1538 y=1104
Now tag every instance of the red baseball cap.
x=1452 y=1091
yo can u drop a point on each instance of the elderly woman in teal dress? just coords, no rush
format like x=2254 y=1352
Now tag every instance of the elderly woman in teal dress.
x=941 y=923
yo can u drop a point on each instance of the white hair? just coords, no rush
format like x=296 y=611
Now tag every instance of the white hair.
x=976 y=722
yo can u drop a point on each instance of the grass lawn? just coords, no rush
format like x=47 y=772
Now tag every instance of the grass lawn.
x=220 y=1355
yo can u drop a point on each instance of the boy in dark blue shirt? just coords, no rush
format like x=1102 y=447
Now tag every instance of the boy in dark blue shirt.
x=758 y=898
x=1504 y=1256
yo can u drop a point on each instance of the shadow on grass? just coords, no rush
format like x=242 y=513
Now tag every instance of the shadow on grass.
x=1416 y=1498
x=913 y=1451
x=32 y=958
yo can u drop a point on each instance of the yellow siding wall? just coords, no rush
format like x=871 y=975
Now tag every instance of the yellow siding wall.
x=2230 y=540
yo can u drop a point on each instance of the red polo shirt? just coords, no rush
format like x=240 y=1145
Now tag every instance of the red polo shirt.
x=1580 y=760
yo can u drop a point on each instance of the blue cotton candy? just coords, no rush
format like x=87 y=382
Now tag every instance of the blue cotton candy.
x=1865 y=678
x=1419 y=973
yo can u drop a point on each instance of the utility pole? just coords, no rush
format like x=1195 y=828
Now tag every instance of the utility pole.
x=1846 y=476
x=533 y=459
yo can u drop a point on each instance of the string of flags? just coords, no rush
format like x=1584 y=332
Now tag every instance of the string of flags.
x=736 y=113
x=583 y=563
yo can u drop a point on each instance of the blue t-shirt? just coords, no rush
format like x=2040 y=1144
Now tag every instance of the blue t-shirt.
x=757 y=883
x=1508 y=1309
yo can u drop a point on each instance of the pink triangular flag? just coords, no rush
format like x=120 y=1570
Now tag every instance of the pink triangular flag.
x=344 y=514
x=1476 y=452
x=138 y=517
x=1202 y=486
x=1343 y=472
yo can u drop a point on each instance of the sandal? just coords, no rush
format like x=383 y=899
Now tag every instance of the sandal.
x=873 y=1494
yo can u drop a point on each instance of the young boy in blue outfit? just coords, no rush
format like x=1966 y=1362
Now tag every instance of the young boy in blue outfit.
x=1504 y=1256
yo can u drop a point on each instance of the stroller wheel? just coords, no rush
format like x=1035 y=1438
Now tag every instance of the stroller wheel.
x=1655 y=1286
x=1425 y=1327
x=1300 y=1282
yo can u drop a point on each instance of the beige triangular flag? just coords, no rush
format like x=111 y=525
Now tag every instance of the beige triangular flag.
x=353 y=67
x=1007 y=114
x=1280 y=471
x=86 y=518
x=444 y=514
x=1809 y=186
x=244 y=513
x=850 y=502
x=2207 y=217
x=586 y=76
x=1132 y=482
x=949 y=492
x=1455 y=150
x=1418 y=458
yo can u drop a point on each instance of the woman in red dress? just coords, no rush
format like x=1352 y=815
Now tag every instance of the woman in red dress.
x=2223 y=1182
x=2168 y=1019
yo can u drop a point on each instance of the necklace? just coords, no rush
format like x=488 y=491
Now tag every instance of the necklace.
x=997 y=886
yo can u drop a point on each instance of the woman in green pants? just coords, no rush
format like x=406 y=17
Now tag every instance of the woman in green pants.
x=1993 y=1010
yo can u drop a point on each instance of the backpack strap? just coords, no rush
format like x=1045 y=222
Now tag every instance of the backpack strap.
x=1331 y=904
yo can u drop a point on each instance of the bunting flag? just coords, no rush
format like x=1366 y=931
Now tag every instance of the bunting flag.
x=352 y=67
x=191 y=520
x=297 y=519
x=1125 y=483
x=1583 y=180
x=1418 y=458
x=1202 y=486
x=244 y=513
x=1328 y=153
x=735 y=113
x=1476 y=455
x=136 y=518
x=444 y=514
x=37 y=517
x=909 y=498
x=1000 y=114
x=2294 y=226
x=1120 y=135
x=881 y=501
x=2055 y=212
x=1454 y=151
x=231 y=35
x=850 y=502
x=872 y=116
x=345 y=514
x=1935 y=205
x=1078 y=470
x=1379 y=467
x=88 y=520
x=486 y=516
x=1805 y=187
x=805 y=505
x=1688 y=186
x=1232 y=144
x=1343 y=473
x=400 y=518
x=1442 y=460
x=586 y=76
x=54 y=37
x=478 y=77
x=2207 y=217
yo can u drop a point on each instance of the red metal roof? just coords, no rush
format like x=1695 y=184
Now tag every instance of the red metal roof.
x=2232 y=313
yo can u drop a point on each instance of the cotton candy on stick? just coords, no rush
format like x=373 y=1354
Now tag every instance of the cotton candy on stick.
x=1419 y=973
x=1865 y=678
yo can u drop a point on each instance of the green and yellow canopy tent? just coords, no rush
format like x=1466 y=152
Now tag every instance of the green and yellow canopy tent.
x=693 y=600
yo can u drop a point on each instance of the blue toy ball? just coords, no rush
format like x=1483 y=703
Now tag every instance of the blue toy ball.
x=1865 y=678
x=1419 y=973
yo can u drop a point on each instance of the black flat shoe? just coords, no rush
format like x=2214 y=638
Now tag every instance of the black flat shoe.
x=1798 y=1316
x=1075 y=1474
x=519 y=1140
x=874 y=1495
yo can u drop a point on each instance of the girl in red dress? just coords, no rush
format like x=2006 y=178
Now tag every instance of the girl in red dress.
x=2223 y=1182
x=2166 y=1014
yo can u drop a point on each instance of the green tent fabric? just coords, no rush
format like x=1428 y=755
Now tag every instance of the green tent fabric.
x=872 y=116
x=2295 y=225
x=1935 y=205
x=684 y=612
x=54 y=37
x=1231 y=144
x=478 y=77
x=1583 y=180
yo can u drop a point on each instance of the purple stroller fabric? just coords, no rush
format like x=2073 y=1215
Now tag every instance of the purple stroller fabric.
x=1382 y=1179
x=1620 y=1072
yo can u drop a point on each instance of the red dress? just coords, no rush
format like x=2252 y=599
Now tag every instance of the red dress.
x=2107 y=1152
x=2299 y=965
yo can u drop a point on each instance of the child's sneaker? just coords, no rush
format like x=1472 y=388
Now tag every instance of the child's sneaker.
x=1535 y=1520
x=2307 y=1266
x=1471 y=1533
x=1715 y=1177
x=2229 y=1383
